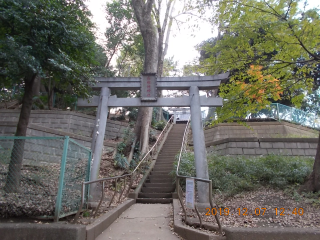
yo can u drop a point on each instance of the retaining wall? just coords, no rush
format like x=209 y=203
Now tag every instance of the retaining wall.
x=50 y=151
x=258 y=130
x=65 y=121
x=263 y=146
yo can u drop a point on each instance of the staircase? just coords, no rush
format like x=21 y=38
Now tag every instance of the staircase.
x=159 y=185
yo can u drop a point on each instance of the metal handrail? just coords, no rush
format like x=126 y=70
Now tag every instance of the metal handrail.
x=164 y=129
x=184 y=141
x=178 y=188
x=118 y=177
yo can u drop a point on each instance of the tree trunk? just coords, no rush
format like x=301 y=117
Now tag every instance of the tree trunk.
x=14 y=172
x=163 y=45
x=313 y=182
x=160 y=116
x=142 y=10
x=50 y=94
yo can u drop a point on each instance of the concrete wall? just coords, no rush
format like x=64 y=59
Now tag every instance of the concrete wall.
x=263 y=146
x=66 y=121
x=258 y=130
x=32 y=231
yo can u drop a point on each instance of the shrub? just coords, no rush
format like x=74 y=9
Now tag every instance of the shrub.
x=234 y=174
x=121 y=161
x=160 y=125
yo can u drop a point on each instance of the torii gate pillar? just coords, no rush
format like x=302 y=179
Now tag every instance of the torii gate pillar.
x=200 y=153
x=99 y=131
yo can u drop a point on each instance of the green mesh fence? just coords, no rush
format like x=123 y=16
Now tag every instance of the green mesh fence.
x=41 y=176
x=290 y=114
x=77 y=169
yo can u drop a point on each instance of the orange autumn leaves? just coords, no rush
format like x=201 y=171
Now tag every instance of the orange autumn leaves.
x=260 y=88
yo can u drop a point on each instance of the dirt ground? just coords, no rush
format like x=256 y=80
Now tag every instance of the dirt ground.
x=264 y=208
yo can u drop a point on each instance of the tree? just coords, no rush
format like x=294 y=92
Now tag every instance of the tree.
x=156 y=37
x=270 y=47
x=130 y=61
x=43 y=39
x=142 y=10
x=122 y=32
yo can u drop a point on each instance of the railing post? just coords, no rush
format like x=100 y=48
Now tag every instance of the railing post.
x=61 y=179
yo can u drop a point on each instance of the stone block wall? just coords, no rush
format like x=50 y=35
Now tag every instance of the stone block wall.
x=38 y=151
x=66 y=121
x=257 y=130
x=77 y=126
x=263 y=146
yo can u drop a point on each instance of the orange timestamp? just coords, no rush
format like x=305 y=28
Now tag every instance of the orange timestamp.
x=256 y=212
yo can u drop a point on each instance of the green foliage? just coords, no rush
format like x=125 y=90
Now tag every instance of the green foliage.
x=121 y=161
x=312 y=103
x=313 y=198
x=127 y=138
x=7 y=95
x=123 y=148
x=170 y=67
x=86 y=214
x=123 y=36
x=276 y=35
x=136 y=156
x=52 y=39
x=160 y=125
x=130 y=61
x=231 y=175
x=133 y=114
x=187 y=166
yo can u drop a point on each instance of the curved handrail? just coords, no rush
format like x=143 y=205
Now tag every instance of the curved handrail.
x=118 y=177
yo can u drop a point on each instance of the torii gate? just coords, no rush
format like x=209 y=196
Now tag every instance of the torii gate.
x=149 y=84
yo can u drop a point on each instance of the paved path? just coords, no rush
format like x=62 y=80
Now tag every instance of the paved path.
x=142 y=222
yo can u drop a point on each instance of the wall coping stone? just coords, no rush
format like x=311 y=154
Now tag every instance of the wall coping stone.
x=248 y=123
x=55 y=112
x=305 y=140
x=264 y=123
x=226 y=140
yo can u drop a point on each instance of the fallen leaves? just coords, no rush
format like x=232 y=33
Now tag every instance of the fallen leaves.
x=285 y=216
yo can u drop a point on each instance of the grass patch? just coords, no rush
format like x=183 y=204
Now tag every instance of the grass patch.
x=231 y=175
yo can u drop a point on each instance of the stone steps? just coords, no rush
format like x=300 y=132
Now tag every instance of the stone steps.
x=159 y=185
x=154 y=200
x=154 y=195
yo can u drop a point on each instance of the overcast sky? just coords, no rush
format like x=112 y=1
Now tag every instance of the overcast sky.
x=181 y=44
